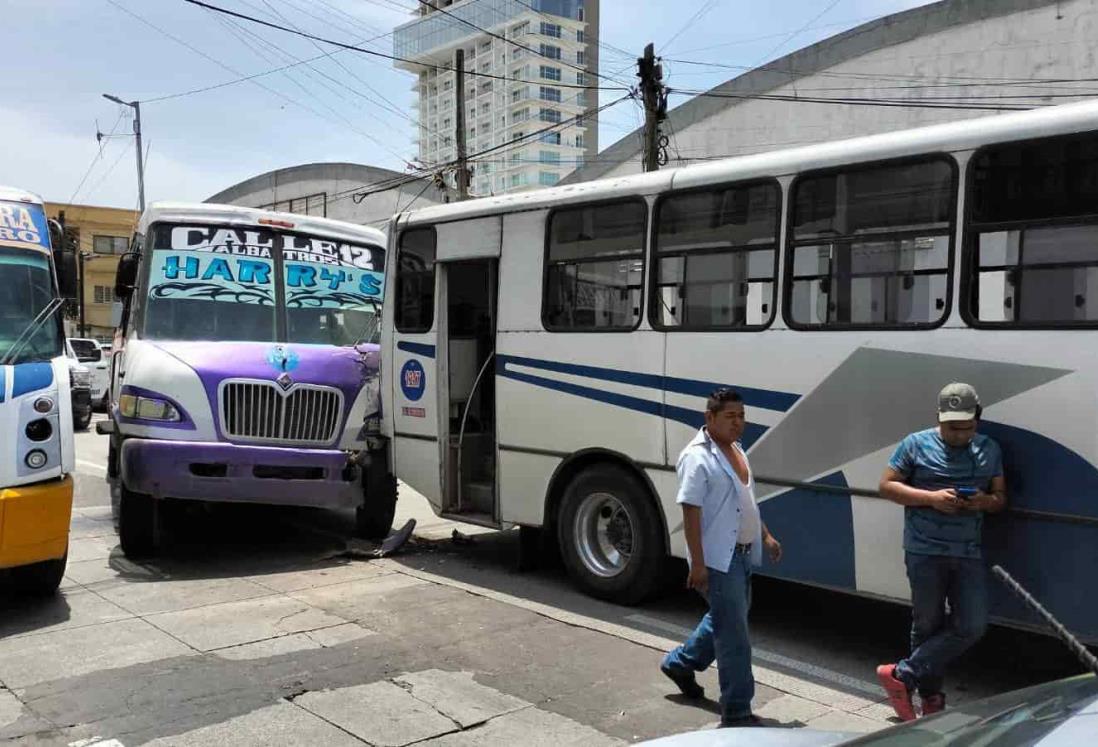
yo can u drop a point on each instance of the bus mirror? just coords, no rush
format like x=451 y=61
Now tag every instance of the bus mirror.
x=67 y=282
x=116 y=314
x=126 y=276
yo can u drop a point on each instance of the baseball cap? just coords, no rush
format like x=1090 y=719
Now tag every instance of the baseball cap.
x=957 y=401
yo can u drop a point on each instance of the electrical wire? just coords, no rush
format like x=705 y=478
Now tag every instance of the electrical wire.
x=352 y=47
x=99 y=154
x=705 y=8
x=512 y=42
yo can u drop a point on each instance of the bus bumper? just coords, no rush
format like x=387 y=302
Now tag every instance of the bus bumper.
x=321 y=478
x=34 y=522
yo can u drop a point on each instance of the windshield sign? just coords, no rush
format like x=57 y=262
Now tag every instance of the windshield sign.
x=23 y=225
x=223 y=283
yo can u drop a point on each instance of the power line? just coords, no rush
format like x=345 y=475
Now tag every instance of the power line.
x=512 y=42
x=99 y=154
x=705 y=8
x=233 y=28
x=102 y=180
x=352 y=47
x=358 y=194
x=265 y=73
x=605 y=45
x=385 y=103
x=799 y=31
x=888 y=77
x=911 y=103
x=232 y=70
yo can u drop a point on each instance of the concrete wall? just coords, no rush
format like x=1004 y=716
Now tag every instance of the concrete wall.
x=957 y=41
x=338 y=182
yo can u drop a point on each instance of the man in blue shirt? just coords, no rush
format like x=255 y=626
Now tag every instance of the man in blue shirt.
x=946 y=478
x=725 y=538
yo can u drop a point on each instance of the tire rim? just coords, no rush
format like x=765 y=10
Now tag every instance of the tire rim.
x=603 y=532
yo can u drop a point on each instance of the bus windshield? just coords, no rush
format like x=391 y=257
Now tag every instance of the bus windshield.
x=221 y=282
x=28 y=288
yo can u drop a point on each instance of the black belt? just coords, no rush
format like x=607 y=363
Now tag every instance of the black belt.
x=743 y=549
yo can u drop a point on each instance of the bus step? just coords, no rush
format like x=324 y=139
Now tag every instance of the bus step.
x=480 y=496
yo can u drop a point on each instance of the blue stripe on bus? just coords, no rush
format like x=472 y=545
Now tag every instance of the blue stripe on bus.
x=3 y=381
x=761 y=398
x=417 y=348
x=30 y=377
x=693 y=418
x=800 y=518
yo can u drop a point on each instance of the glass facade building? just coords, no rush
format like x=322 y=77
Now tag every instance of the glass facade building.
x=515 y=51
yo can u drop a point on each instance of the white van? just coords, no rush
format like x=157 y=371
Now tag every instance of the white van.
x=90 y=353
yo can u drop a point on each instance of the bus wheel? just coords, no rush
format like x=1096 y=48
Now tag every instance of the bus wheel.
x=374 y=518
x=137 y=517
x=40 y=579
x=610 y=535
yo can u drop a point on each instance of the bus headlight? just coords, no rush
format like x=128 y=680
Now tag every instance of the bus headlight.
x=147 y=408
x=36 y=459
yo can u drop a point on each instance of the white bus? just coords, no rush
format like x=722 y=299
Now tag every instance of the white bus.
x=547 y=355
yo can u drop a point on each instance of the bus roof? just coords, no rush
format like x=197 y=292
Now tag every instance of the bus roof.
x=14 y=194
x=236 y=215
x=961 y=135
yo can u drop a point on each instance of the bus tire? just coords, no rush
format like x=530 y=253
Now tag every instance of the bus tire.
x=40 y=579
x=374 y=518
x=137 y=523
x=610 y=535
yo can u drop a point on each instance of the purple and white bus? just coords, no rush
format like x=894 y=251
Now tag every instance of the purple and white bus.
x=246 y=366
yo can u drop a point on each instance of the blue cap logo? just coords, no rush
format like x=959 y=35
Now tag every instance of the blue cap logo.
x=413 y=380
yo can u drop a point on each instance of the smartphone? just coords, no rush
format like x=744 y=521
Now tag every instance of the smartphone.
x=966 y=493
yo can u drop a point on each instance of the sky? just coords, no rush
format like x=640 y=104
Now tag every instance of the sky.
x=63 y=55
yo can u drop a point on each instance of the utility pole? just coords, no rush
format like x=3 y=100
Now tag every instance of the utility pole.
x=136 y=106
x=462 y=175
x=654 y=95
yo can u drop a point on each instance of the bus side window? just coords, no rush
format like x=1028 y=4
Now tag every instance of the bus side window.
x=415 y=281
x=1032 y=238
x=869 y=246
x=716 y=258
x=595 y=267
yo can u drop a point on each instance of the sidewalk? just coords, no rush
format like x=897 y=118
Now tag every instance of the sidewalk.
x=244 y=644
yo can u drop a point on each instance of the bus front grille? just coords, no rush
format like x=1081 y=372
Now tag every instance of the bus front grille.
x=259 y=411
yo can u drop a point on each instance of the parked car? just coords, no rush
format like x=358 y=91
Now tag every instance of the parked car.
x=98 y=361
x=81 y=378
x=1063 y=713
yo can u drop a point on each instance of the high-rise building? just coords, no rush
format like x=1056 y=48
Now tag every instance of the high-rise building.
x=530 y=64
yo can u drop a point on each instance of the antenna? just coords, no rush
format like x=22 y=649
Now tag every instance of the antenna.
x=1086 y=657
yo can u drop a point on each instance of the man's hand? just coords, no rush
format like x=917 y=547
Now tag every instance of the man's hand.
x=946 y=501
x=773 y=548
x=698 y=580
x=983 y=502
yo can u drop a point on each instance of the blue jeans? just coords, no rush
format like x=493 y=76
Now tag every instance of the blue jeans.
x=938 y=637
x=721 y=636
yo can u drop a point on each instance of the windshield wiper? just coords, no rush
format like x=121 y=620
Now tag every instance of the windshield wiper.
x=33 y=327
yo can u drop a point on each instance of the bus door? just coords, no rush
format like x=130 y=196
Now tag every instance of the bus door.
x=468 y=286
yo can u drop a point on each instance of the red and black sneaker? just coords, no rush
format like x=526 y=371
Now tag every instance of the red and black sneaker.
x=899 y=697
x=932 y=704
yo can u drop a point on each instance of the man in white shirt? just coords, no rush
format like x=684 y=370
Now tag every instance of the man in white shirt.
x=725 y=538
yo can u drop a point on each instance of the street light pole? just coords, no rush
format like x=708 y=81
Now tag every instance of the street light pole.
x=136 y=106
